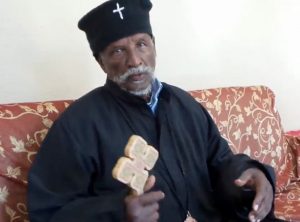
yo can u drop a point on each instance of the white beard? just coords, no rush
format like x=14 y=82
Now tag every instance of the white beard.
x=121 y=79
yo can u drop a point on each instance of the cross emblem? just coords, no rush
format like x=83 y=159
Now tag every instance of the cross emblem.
x=130 y=169
x=119 y=10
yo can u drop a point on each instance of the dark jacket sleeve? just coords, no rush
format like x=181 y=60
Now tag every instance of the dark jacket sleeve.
x=59 y=184
x=225 y=167
x=222 y=161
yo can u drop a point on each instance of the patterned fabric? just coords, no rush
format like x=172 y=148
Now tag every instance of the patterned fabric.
x=293 y=133
x=287 y=202
x=245 y=116
x=248 y=120
x=294 y=144
x=22 y=129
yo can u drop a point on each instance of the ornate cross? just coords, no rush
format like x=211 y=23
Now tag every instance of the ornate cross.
x=119 y=10
x=131 y=168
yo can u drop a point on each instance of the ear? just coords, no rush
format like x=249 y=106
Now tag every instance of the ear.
x=100 y=62
x=154 y=46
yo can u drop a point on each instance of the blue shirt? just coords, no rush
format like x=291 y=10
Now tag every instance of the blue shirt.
x=156 y=88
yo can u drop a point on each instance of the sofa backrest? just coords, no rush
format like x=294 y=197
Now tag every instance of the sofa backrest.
x=23 y=126
x=245 y=116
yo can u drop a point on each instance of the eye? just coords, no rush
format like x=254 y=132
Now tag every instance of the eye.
x=117 y=51
x=141 y=44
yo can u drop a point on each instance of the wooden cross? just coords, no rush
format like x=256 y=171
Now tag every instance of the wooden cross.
x=133 y=168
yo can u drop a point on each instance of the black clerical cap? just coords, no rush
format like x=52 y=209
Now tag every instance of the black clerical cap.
x=113 y=20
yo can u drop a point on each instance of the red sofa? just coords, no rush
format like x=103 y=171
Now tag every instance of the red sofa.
x=246 y=117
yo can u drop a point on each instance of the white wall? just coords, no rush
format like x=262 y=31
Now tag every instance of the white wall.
x=200 y=44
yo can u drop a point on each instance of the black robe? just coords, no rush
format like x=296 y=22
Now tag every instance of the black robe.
x=71 y=177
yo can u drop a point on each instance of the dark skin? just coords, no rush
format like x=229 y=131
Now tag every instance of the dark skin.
x=145 y=207
x=126 y=53
x=139 y=49
x=262 y=202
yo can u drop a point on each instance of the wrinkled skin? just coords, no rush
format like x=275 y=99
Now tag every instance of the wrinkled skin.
x=129 y=52
x=262 y=203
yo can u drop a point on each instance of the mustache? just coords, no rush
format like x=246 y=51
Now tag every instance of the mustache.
x=136 y=70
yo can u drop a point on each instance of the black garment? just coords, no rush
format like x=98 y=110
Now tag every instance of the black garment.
x=71 y=179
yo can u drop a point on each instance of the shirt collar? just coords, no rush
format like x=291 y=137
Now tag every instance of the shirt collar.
x=156 y=89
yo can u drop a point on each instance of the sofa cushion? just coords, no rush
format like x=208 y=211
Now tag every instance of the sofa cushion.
x=294 y=133
x=293 y=139
x=25 y=127
x=248 y=120
x=287 y=204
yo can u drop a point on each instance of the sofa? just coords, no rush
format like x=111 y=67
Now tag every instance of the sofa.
x=246 y=117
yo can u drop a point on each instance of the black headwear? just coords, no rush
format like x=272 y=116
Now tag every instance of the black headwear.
x=115 y=19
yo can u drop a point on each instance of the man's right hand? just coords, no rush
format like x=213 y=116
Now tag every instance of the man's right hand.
x=144 y=208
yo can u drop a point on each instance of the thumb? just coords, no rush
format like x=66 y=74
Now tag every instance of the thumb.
x=149 y=183
x=244 y=179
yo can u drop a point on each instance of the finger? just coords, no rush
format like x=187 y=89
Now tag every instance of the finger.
x=262 y=211
x=264 y=207
x=244 y=179
x=151 y=217
x=154 y=217
x=152 y=197
x=149 y=210
x=252 y=216
x=240 y=182
x=258 y=201
x=255 y=217
x=135 y=209
x=149 y=183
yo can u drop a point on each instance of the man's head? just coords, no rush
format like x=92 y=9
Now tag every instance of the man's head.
x=120 y=36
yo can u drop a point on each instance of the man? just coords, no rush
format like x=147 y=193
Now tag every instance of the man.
x=196 y=176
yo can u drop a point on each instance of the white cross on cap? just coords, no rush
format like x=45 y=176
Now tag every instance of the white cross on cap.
x=119 y=10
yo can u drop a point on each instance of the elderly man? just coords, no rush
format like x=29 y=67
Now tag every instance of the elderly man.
x=196 y=178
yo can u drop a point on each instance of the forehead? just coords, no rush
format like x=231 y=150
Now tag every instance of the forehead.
x=129 y=39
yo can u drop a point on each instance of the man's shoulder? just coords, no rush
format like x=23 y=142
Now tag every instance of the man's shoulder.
x=97 y=94
x=86 y=105
x=184 y=100
x=178 y=93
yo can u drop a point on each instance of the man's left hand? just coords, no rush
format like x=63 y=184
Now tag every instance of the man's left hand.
x=262 y=203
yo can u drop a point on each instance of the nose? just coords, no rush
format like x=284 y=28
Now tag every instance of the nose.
x=133 y=59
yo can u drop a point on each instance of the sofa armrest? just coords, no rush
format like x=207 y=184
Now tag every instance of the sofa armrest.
x=293 y=142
